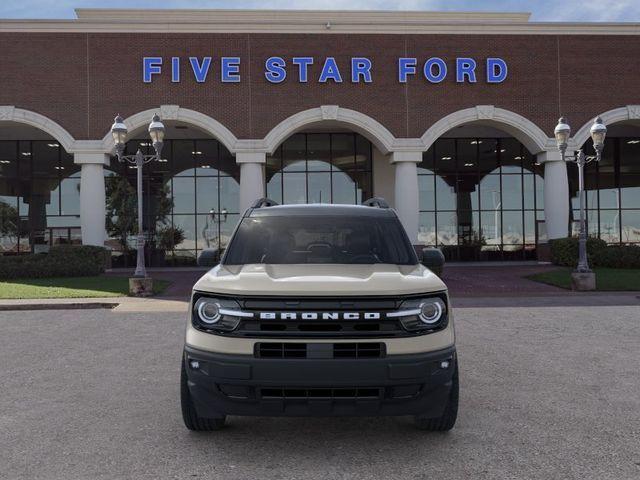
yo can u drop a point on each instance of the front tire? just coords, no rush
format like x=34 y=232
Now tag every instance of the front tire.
x=448 y=418
x=189 y=415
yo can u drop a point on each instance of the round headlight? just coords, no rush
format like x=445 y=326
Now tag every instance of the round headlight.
x=208 y=311
x=431 y=311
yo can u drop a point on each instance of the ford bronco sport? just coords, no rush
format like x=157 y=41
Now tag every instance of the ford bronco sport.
x=319 y=310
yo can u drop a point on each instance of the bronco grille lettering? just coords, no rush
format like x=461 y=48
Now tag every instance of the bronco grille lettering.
x=320 y=315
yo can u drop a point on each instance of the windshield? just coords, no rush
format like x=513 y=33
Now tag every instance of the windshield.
x=312 y=239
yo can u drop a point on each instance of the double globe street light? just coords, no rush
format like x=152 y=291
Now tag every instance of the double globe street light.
x=140 y=284
x=582 y=278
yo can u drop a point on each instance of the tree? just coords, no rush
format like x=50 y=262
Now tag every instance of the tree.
x=122 y=208
x=8 y=220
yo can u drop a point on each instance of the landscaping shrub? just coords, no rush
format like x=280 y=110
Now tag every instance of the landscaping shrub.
x=565 y=252
x=61 y=261
x=618 y=256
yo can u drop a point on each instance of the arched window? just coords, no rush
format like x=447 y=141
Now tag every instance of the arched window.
x=193 y=190
x=320 y=168
x=480 y=198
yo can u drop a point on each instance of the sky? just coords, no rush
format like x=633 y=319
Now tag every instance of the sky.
x=542 y=10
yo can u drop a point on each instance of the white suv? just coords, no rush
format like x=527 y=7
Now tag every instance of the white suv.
x=319 y=310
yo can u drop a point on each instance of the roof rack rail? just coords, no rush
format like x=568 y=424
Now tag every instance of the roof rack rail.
x=377 y=202
x=263 y=202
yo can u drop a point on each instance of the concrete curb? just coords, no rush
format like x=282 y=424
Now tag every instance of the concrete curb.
x=57 y=306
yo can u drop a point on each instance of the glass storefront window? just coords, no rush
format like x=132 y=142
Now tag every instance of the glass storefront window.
x=194 y=188
x=630 y=224
x=483 y=204
x=512 y=192
x=319 y=187
x=207 y=194
x=427 y=228
x=426 y=187
x=610 y=226
x=320 y=168
x=612 y=191
x=447 y=228
x=445 y=194
x=39 y=196
x=294 y=187
x=319 y=152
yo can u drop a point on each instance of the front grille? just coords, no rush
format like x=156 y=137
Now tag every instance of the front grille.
x=320 y=350
x=262 y=328
x=322 y=393
x=383 y=327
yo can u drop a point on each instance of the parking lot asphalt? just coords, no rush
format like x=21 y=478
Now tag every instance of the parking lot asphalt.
x=546 y=392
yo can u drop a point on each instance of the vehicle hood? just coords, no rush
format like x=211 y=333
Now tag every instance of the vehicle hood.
x=321 y=280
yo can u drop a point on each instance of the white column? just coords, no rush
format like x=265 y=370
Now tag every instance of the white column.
x=92 y=197
x=406 y=191
x=251 y=177
x=556 y=194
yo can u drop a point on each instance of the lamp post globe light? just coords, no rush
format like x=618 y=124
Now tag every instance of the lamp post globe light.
x=140 y=284
x=583 y=278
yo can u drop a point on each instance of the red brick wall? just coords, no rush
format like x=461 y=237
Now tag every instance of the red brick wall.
x=82 y=80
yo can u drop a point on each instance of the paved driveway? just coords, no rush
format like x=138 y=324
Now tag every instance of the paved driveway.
x=546 y=393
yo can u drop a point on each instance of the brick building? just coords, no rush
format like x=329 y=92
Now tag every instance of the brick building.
x=449 y=116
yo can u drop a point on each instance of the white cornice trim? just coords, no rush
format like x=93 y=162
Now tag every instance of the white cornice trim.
x=36 y=26
x=292 y=16
x=297 y=21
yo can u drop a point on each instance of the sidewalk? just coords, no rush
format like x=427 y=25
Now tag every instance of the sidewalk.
x=117 y=304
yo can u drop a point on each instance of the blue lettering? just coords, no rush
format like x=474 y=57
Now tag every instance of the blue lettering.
x=150 y=66
x=428 y=70
x=303 y=66
x=330 y=71
x=175 y=69
x=465 y=67
x=200 y=71
x=275 y=69
x=496 y=70
x=360 y=67
x=406 y=66
x=230 y=69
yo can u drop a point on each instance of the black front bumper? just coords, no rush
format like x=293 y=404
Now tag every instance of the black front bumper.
x=415 y=384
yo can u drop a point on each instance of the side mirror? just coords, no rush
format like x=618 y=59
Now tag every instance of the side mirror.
x=209 y=257
x=433 y=259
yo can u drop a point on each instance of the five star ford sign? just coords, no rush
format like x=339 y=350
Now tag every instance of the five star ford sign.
x=360 y=70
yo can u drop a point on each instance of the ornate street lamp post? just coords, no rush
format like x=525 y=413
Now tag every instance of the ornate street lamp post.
x=583 y=278
x=156 y=132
